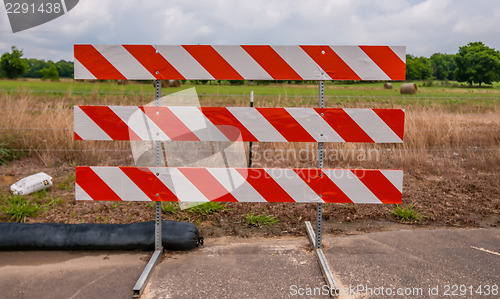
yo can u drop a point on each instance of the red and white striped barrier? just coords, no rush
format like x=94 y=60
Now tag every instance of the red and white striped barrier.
x=238 y=124
x=256 y=62
x=239 y=185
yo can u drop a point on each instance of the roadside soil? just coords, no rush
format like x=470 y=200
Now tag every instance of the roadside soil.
x=458 y=196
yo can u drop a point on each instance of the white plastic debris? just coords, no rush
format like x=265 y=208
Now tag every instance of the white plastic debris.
x=32 y=183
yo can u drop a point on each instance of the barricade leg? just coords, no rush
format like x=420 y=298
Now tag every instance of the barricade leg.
x=143 y=279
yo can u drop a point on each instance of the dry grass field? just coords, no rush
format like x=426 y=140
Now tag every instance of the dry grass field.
x=451 y=159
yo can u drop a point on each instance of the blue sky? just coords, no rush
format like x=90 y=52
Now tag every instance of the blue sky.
x=424 y=26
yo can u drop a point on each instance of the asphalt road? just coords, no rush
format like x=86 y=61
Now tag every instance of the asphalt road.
x=399 y=264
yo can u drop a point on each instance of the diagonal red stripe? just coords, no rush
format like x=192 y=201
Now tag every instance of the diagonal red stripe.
x=204 y=181
x=154 y=62
x=344 y=125
x=93 y=185
x=379 y=185
x=263 y=183
x=288 y=127
x=387 y=60
x=109 y=122
x=149 y=183
x=170 y=124
x=77 y=137
x=95 y=63
x=330 y=62
x=272 y=62
x=322 y=184
x=228 y=124
x=213 y=62
x=394 y=118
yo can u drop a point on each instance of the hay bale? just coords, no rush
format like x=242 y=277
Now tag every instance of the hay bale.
x=174 y=83
x=388 y=86
x=170 y=83
x=408 y=88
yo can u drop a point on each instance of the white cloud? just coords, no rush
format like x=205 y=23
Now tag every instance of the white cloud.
x=424 y=26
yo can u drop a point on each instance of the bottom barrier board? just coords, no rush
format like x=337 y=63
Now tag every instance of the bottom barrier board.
x=239 y=185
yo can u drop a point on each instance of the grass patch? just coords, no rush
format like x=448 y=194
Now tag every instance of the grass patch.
x=169 y=207
x=261 y=220
x=68 y=183
x=208 y=208
x=18 y=209
x=406 y=214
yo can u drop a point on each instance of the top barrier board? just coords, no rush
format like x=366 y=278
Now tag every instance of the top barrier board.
x=239 y=62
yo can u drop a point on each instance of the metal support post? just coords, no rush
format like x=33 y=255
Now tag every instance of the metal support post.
x=319 y=207
x=158 y=159
x=143 y=279
x=315 y=237
x=250 y=145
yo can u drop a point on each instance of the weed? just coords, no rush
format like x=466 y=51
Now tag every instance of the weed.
x=207 y=208
x=169 y=207
x=261 y=220
x=67 y=183
x=18 y=208
x=56 y=201
x=6 y=154
x=348 y=206
x=407 y=213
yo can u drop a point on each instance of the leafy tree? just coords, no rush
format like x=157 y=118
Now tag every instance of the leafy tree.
x=477 y=63
x=35 y=66
x=443 y=66
x=418 y=68
x=12 y=64
x=65 y=68
x=50 y=73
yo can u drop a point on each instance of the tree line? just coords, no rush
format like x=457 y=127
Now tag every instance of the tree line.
x=13 y=66
x=475 y=63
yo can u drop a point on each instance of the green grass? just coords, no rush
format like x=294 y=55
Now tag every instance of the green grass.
x=18 y=208
x=261 y=220
x=67 y=183
x=406 y=214
x=208 y=208
x=169 y=207
x=336 y=92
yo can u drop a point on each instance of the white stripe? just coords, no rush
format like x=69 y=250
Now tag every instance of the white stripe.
x=183 y=62
x=242 y=62
x=86 y=128
x=373 y=125
x=196 y=121
x=234 y=182
x=293 y=185
x=400 y=51
x=395 y=177
x=80 y=194
x=124 y=62
x=81 y=72
x=314 y=124
x=120 y=183
x=174 y=180
x=360 y=63
x=256 y=124
x=139 y=123
x=301 y=63
x=349 y=183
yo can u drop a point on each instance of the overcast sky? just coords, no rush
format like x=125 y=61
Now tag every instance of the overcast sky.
x=424 y=26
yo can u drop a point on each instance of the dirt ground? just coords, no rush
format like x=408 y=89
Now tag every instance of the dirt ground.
x=454 y=195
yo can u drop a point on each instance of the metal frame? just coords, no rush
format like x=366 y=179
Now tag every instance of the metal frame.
x=143 y=279
x=315 y=238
